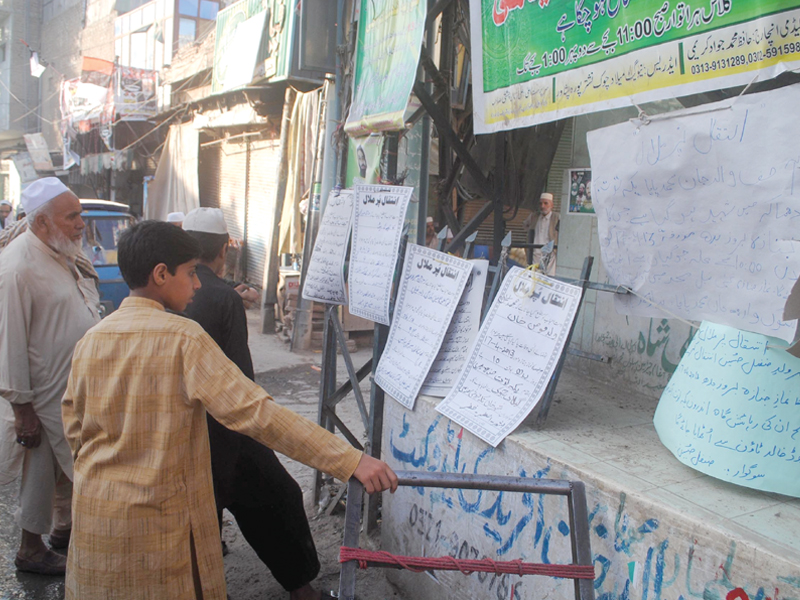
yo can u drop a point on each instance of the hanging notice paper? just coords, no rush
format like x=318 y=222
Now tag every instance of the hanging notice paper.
x=516 y=352
x=730 y=410
x=460 y=335
x=699 y=213
x=379 y=212
x=430 y=288
x=325 y=275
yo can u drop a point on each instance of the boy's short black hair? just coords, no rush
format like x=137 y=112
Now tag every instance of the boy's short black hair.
x=210 y=244
x=145 y=245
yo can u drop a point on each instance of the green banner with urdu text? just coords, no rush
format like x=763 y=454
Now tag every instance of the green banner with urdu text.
x=388 y=45
x=541 y=60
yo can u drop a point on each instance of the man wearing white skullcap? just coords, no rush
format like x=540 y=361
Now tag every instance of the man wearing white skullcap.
x=46 y=306
x=431 y=241
x=544 y=225
x=249 y=480
x=176 y=218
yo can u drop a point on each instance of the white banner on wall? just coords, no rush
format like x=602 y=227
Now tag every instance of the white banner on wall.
x=379 y=212
x=698 y=212
x=325 y=276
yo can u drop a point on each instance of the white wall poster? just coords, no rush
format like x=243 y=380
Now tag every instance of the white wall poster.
x=698 y=212
x=430 y=288
x=325 y=276
x=379 y=212
x=460 y=335
x=516 y=352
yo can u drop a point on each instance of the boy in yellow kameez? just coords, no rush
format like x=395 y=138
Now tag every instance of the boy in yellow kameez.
x=144 y=519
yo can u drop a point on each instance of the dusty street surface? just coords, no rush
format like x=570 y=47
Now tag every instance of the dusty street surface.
x=293 y=380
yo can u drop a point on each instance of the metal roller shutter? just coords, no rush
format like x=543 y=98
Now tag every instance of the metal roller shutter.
x=208 y=177
x=263 y=181
x=232 y=169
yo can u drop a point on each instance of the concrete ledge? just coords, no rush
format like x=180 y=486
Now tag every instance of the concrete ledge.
x=660 y=530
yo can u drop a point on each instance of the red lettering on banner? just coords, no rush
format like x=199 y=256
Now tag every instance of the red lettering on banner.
x=502 y=8
x=737 y=594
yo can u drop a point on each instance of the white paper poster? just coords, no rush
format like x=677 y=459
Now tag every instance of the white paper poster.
x=325 y=276
x=699 y=212
x=460 y=335
x=730 y=410
x=430 y=288
x=516 y=352
x=379 y=212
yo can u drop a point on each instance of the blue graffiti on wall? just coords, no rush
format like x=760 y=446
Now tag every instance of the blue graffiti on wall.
x=443 y=451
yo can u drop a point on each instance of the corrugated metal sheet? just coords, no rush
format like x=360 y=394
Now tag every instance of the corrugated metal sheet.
x=232 y=166
x=485 y=230
x=264 y=163
x=208 y=176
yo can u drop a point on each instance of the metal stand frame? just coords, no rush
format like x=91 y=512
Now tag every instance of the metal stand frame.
x=573 y=490
x=330 y=395
x=435 y=106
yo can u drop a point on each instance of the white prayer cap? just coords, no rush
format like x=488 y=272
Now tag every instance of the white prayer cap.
x=41 y=192
x=429 y=220
x=6 y=202
x=175 y=217
x=546 y=196
x=206 y=220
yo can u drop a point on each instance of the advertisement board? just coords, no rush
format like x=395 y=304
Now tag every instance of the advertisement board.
x=539 y=61
x=387 y=53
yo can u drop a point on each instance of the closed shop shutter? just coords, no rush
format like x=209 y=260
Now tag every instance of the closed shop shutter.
x=263 y=174
x=232 y=171
x=208 y=177
x=562 y=161
x=518 y=232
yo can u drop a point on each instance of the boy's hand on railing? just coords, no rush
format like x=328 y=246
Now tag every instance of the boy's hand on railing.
x=375 y=475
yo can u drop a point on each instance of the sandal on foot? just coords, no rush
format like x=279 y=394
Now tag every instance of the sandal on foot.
x=59 y=539
x=50 y=564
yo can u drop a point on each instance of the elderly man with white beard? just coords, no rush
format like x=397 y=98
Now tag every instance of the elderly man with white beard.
x=46 y=306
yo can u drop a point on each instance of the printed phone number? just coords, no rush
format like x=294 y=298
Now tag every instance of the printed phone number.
x=746 y=59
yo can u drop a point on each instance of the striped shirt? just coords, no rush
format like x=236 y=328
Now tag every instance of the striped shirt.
x=135 y=418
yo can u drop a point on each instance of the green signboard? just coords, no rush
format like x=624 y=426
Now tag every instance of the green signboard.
x=541 y=60
x=389 y=39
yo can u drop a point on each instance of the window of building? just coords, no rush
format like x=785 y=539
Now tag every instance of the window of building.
x=125 y=55
x=159 y=57
x=151 y=49
x=168 y=40
x=136 y=20
x=188 y=8
x=208 y=9
x=187 y=30
x=138 y=50
x=149 y=13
